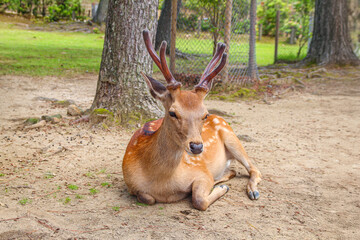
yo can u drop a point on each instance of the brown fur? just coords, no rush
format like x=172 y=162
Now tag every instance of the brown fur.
x=157 y=167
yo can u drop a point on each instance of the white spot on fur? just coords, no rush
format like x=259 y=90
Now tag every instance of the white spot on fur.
x=216 y=121
x=224 y=123
x=136 y=141
x=228 y=163
x=188 y=161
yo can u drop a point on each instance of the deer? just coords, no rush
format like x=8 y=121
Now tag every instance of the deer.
x=188 y=151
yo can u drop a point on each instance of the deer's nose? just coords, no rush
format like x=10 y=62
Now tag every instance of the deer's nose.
x=196 y=148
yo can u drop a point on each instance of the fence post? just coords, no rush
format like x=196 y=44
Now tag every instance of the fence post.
x=173 y=35
x=277 y=35
x=252 y=69
x=260 y=32
x=227 y=35
x=292 y=36
x=311 y=24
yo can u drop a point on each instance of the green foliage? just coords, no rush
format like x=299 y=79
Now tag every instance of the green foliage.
x=106 y=184
x=116 y=208
x=58 y=9
x=64 y=10
x=142 y=204
x=266 y=14
x=24 y=201
x=93 y=191
x=293 y=14
x=187 y=22
x=72 y=187
x=67 y=200
x=78 y=196
x=31 y=121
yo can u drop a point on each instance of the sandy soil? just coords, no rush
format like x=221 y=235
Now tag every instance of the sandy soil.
x=306 y=145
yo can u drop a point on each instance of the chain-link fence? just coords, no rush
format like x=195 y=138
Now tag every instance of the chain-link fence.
x=200 y=27
x=354 y=25
x=293 y=42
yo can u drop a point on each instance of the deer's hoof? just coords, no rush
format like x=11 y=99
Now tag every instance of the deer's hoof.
x=225 y=186
x=253 y=195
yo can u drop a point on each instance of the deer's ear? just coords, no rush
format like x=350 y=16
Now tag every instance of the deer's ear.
x=157 y=89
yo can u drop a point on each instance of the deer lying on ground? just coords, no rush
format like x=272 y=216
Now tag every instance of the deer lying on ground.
x=187 y=151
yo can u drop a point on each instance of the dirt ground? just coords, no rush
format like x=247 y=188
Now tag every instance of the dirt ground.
x=306 y=144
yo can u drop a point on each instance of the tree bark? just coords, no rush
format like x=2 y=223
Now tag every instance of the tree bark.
x=163 y=30
x=101 y=12
x=330 y=43
x=120 y=87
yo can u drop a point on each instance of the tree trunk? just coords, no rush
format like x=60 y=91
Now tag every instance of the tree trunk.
x=101 y=12
x=120 y=87
x=164 y=24
x=330 y=43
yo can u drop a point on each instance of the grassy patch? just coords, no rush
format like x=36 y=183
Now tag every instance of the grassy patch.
x=78 y=196
x=73 y=187
x=34 y=53
x=40 y=53
x=24 y=201
x=67 y=200
x=1 y=174
x=141 y=204
x=106 y=184
x=93 y=191
x=116 y=208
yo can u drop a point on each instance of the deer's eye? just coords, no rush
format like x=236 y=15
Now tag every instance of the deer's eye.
x=173 y=114
x=206 y=116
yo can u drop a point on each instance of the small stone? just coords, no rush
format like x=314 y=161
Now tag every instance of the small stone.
x=64 y=103
x=74 y=110
x=316 y=76
x=55 y=120
x=46 y=118
x=246 y=138
x=31 y=121
x=36 y=125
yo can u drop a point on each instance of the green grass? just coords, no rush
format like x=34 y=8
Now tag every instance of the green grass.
x=78 y=196
x=73 y=187
x=93 y=191
x=67 y=200
x=116 y=208
x=106 y=184
x=24 y=201
x=37 y=53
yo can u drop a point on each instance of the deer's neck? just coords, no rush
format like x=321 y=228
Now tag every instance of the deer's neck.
x=166 y=154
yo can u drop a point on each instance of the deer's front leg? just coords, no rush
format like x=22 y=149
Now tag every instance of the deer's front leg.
x=145 y=198
x=203 y=197
x=234 y=146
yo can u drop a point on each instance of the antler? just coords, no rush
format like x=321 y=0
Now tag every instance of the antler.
x=160 y=62
x=210 y=72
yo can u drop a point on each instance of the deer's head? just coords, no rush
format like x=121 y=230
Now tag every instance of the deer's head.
x=185 y=112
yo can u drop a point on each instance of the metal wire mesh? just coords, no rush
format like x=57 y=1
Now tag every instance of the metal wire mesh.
x=293 y=45
x=198 y=31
